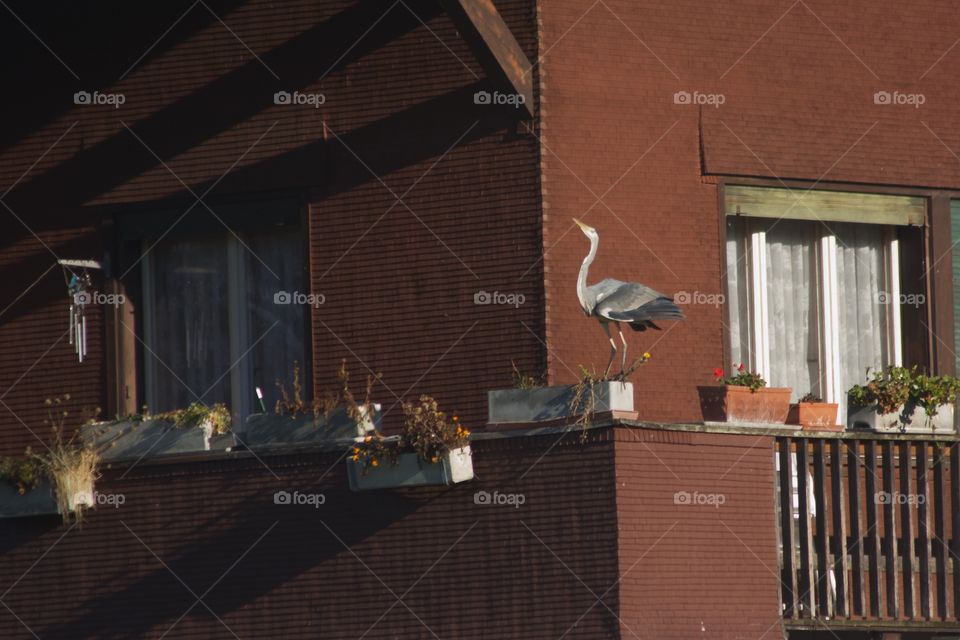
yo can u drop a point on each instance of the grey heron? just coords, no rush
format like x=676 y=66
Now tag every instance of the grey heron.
x=616 y=301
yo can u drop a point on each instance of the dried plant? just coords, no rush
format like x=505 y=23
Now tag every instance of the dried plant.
x=357 y=411
x=287 y=405
x=72 y=470
x=69 y=464
x=426 y=431
x=524 y=380
x=292 y=403
x=583 y=401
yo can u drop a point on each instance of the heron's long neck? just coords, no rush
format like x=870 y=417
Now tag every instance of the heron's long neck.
x=582 y=278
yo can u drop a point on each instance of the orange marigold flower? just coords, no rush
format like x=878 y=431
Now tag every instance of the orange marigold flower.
x=375 y=462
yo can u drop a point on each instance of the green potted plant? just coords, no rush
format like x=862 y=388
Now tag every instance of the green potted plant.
x=431 y=450
x=901 y=399
x=813 y=414
x=743 y=397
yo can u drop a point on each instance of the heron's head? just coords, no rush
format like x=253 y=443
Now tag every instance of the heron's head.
x=589 y=231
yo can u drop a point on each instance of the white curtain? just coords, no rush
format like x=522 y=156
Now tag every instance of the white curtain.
x=864 y=301
x=792 y=307
x=738 y=288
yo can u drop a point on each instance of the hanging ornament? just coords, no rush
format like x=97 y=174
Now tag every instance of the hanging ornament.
x=80 y=289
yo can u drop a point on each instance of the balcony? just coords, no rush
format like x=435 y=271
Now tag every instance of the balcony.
x=869 y=528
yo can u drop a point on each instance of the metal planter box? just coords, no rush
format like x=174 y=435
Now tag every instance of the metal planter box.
x=909 y=419
x=270 y=429
x=410 y=471
x=128 y=440
x=552 y=403
x=40 y=501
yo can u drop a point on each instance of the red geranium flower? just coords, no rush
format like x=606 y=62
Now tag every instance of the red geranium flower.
x=718 y=373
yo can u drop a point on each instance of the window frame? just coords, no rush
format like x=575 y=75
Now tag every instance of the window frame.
x=938 y=281
x=828 y=309
x=238 y=330
x=130 y=229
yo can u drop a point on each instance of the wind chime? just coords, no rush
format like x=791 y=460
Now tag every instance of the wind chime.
x=76 y=274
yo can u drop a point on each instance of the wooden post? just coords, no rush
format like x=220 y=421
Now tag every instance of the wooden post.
x=873 y=525
x=822 y=537
x=789 y=577
x=808 y=598
x=839 y=528
x=890 y=530
x=906 y=525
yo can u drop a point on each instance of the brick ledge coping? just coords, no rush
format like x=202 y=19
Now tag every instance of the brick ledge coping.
x=533 y=430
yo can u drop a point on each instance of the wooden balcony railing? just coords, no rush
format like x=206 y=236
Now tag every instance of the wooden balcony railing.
x=870 y=528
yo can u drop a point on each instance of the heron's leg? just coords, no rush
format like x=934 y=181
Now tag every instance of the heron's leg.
x=613 y=348
x=623 y=361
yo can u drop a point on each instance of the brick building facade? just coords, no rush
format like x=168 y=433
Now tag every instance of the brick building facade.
x=438 y=230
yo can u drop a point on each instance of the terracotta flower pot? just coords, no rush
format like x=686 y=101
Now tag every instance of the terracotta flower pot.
x=815 y=416
x=731 y=403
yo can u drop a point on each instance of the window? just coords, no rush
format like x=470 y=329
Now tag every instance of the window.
x=213 y=329
x=814 y=284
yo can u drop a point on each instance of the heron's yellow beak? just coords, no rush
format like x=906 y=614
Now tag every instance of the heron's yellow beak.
x=582 y=226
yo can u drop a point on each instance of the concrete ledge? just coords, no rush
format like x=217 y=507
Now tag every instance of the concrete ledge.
x=530 y=430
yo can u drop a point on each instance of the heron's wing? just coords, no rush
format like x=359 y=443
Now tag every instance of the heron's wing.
x=624 y=300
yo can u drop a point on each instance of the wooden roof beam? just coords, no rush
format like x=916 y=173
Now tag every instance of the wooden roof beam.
x=491 y=41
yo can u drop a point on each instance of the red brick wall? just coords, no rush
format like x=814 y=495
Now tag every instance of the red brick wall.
x=697 y=535
x=38 y=360
x=596 y=520
x=400 y=292
x=609 y=127
x=802 y=99
x=466 y=570
x=798 y=104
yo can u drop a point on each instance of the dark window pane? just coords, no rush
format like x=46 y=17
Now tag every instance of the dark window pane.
x=277 y=322
x=189 y=344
